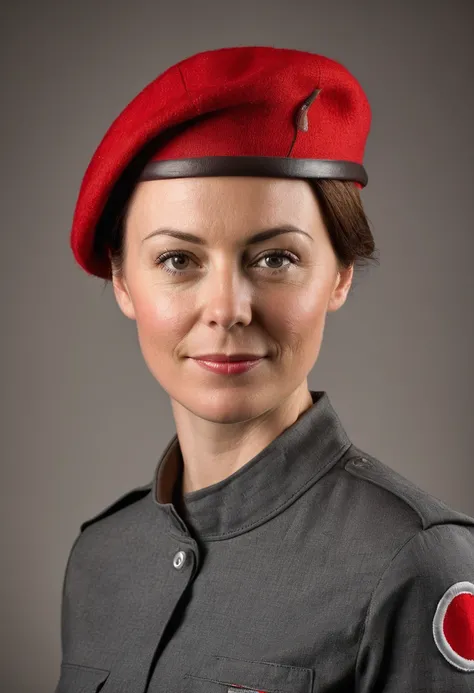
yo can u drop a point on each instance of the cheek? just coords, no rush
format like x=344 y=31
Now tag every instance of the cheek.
x=159 y=324
x=299 y=320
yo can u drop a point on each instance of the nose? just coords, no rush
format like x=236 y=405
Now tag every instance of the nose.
x=226 y=297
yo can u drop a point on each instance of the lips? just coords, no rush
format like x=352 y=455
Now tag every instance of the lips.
x=228 y=368
x=227 y=358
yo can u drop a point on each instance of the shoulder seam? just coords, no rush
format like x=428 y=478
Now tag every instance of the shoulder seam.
x=376 y=482
x=116 y=505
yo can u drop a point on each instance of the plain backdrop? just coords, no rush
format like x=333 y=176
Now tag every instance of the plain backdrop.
x=83 y=420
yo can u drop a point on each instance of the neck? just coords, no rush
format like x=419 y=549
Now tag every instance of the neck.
x=215 y=447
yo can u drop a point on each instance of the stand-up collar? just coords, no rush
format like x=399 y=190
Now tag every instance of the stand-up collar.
x=263 y=487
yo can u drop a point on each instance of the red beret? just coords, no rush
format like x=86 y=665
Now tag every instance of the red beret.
x=245 y=110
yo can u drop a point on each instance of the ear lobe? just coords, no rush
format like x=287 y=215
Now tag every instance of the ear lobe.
x=341 y=288
x=122 y=296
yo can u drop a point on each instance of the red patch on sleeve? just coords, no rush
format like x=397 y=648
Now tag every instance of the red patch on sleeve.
x=453 y=625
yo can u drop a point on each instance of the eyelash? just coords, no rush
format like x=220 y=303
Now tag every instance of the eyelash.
x=175 y=253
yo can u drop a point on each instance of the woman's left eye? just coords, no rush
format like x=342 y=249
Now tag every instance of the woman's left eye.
x=162 y=259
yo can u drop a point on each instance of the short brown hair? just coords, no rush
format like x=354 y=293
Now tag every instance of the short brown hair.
x=342 y=211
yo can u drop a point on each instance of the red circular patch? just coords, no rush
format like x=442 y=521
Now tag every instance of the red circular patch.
x=458 y=625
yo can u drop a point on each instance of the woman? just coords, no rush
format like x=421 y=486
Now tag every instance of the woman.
x=268 y=553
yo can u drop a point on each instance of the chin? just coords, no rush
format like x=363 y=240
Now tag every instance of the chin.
x=227 y=403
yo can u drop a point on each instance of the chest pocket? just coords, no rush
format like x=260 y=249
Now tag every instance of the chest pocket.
x=78 y=679
x=219 y=674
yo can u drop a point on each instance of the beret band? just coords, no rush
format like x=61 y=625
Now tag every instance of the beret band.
x=272 y=166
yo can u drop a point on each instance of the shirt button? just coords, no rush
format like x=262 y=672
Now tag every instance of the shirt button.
x=179 y=560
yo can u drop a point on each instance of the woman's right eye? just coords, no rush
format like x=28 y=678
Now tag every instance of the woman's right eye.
x=162 y=259
x=285 y=254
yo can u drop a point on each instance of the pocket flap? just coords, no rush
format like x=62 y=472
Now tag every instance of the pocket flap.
x=78 y=679
x=269 y=677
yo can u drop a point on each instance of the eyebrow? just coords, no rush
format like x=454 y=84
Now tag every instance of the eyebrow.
x=256 y=238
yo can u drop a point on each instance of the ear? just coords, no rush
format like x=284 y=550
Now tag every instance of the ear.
x=122 y=296
x=341 y=288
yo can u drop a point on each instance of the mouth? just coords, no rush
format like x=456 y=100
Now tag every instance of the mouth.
x=229 y=367
x=228 y=358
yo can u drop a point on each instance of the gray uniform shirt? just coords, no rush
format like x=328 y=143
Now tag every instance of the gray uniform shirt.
x=313 y=568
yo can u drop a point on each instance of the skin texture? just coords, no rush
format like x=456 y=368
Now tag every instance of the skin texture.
x=227 y=297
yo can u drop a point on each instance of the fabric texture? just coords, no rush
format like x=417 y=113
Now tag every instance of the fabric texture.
x=313 y=568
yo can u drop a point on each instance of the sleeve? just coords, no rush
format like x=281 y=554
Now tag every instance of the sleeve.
x=419 y=628
x=65 y=625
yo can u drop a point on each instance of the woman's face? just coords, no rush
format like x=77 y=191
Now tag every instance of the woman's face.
x=226 y=294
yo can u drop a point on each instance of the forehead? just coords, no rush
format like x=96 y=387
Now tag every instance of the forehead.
x=217 y=208
x=238 y=202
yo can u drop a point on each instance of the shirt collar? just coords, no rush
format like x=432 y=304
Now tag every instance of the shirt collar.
x=263 y=487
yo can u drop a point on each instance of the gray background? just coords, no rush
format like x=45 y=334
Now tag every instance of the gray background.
x=83 y=421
